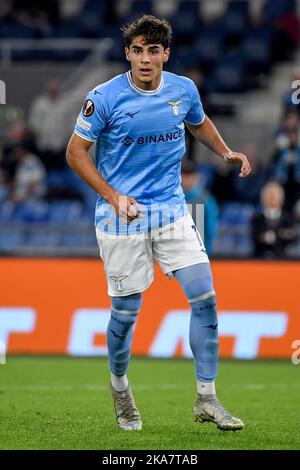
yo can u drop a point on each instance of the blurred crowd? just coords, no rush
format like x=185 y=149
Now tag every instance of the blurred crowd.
x=271 y=192
x=34 y=148
x=34 y=19
x=33 y=168
x=234 y=40
x=257 y=216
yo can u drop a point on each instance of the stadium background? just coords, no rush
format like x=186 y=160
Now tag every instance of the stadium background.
x=243 y=56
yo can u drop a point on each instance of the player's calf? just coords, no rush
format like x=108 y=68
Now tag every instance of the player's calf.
x=119 y=338
x=120 y=330
x=197 y=283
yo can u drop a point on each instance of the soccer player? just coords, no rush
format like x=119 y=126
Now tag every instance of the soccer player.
x=138 y=121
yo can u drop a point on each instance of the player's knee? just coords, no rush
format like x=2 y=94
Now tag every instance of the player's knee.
x=199 y=287
x=124 y=312
x=195 y=280
x=130 y=304
x=204 y=308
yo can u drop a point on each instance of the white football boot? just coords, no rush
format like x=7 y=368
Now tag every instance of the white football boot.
x=208 y=408
x=127 y=414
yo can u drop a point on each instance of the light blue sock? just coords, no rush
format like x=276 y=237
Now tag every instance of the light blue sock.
x=120 y=330
x=197 y=284
x=204 y=338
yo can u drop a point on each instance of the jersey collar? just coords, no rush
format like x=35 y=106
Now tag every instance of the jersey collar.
x=144 y=92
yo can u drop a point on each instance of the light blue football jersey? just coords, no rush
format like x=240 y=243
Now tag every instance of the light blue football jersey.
x=140 y=143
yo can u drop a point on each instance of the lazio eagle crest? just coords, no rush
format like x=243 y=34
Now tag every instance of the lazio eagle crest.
x=175 y=106
x=118 y=281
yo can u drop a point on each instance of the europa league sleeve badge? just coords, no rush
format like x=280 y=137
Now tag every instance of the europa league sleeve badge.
x=88 y=108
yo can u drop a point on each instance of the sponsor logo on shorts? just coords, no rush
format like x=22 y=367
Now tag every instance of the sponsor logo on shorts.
x=84 y=124
x=118 y=280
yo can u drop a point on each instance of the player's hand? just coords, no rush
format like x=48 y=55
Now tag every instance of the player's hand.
x=126 y=207
x=235 y=158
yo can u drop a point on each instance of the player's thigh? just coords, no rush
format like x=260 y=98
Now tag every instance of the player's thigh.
x=128 y=262
x=179 y=245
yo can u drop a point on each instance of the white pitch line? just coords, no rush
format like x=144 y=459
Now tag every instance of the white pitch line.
x=265 y=386
x=69 y=388
x=101 y=388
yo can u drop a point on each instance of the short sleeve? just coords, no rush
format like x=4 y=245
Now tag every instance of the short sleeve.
x=92 y=118
x=196 y=114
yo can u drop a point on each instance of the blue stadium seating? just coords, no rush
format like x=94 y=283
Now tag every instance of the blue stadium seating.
x=208 y=48
x=6 y=211
x=235 y=23
x=183 y=59
x=229 y=75
x=186 y=22
x=31 y=212
x=257 y=50
x=81 y=240
x=15 y=31
x=55 y=179
x=69 y=29
x=139 y=7
x=10 y=240
x=44 y=239
x=116 y=52
x=210 y=44
x=239 y=6
x=275 y=8
x=92 y=19
x=64 y=212
x=234 y=230
x=234 y=213
x=207 y=174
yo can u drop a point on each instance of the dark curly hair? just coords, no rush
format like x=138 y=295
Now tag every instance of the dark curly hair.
x=153 y=30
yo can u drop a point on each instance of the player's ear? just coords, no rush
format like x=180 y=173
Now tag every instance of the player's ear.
x=166 y=54
x=127 y=53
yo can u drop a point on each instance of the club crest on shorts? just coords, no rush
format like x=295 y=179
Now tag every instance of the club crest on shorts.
x=118 y=280
x=175 y=106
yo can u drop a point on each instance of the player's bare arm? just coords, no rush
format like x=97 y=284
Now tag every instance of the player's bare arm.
x=80 y=161
x=208 y=134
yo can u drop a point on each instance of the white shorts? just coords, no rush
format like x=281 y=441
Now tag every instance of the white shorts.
x=128 y=259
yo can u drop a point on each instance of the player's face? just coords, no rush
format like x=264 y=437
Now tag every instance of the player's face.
x=146 y=62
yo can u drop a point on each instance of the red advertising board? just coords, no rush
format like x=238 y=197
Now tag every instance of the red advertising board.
x=62 y=307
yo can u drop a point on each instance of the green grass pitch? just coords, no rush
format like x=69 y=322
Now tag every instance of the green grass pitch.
x=65 y=403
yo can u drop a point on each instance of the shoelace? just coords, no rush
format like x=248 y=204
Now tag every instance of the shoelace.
x=221 y=409
x=128 y=410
